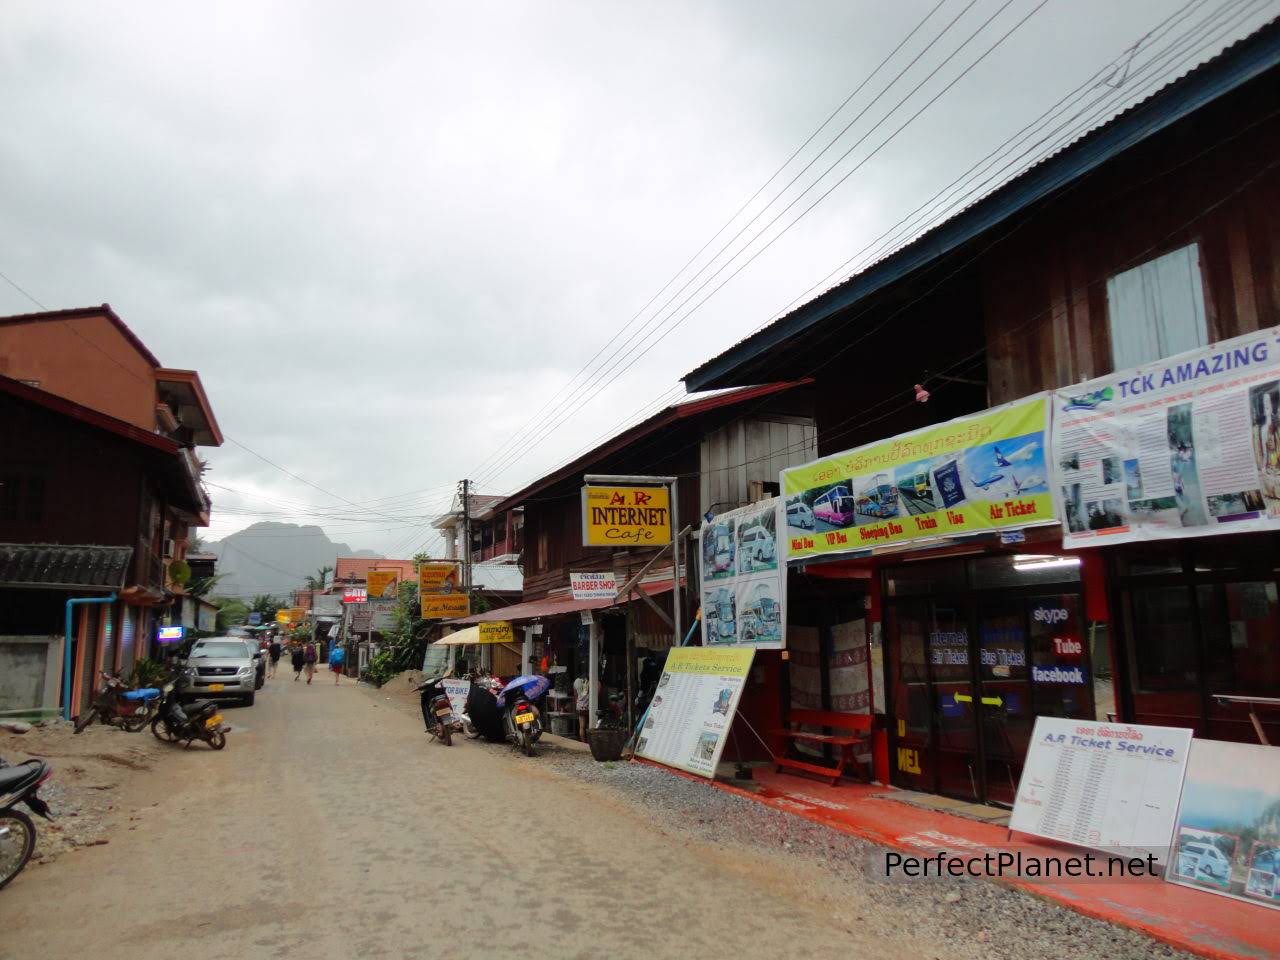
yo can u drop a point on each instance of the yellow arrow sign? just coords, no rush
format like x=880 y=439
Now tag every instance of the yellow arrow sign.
x=993 y=701
x=961 y=698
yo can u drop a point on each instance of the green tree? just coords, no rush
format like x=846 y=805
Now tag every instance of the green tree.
x=267 y=604
x=203 y=586
x=319 y=579
x=232 y=611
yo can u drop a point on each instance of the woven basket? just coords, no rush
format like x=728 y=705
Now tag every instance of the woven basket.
x=607 y=744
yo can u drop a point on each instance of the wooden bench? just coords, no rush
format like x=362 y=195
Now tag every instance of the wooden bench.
x=849 y=731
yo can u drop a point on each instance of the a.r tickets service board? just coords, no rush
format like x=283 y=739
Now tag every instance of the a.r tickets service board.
x=1108 y=786
x=693 y=708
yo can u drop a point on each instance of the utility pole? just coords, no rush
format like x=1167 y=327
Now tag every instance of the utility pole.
x=466 y=536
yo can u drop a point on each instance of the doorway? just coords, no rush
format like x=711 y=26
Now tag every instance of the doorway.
x=976 y=650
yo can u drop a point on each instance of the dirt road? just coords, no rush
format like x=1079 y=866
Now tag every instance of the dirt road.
x=331 y=827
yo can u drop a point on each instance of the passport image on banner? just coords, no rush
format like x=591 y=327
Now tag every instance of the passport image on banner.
x=948 y=477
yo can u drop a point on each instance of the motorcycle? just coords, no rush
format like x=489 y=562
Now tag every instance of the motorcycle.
x=481 y=716
x=196 y=721
x=117 y=706
x=520 y=717
x=437 y=712
x=20 y=784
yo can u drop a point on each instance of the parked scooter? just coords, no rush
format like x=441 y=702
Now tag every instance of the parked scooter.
x=117 y=706
x=19 y=784
x=482 y=717
x=520 y=717
x=437 y=712
x=196 y=721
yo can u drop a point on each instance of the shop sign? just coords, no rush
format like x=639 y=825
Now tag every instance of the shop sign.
x=445 y=606
x=498 y=631
x=297 y=614
x=282 y=616
x=1059 y=675
x=1188 y=446
x=170 y=634
x=1227 y=838
x=688 y=720
x=439 y=577
x=255 y=618
x=626 y=516
x=743 y=578
x=975 y=474
x=207 y=618
x=376 y=615
x=456 y=691
x=1110 y=786
x=381 y=583
x=326 y=605
x=355 y=595
x=593 y=586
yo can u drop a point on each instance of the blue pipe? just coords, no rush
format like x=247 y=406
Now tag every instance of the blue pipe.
x=66 y=650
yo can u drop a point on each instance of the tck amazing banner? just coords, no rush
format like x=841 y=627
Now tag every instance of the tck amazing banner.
x=976 y=473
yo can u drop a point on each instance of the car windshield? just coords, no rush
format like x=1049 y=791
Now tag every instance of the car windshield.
x=226 y=648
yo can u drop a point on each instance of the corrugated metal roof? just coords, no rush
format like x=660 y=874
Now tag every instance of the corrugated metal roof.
x=1232 y=67
x=552 y=606
x=51 y=566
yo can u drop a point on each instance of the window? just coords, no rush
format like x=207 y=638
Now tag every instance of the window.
x=1156 y=309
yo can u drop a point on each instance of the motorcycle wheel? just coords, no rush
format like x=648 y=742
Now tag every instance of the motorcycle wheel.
x=217 y=740
x=445 y=734
x=526 y=744
x=86 y=719
x=134 y=724
x=162 y=731
x=16 y=844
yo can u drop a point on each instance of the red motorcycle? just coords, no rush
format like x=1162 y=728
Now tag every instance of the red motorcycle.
x=117 y=706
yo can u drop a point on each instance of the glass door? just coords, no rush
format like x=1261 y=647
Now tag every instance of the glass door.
x=1002 y=702
x=949 y=644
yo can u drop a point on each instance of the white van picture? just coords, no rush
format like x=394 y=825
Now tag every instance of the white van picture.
x=756 y=548
x=800 y=515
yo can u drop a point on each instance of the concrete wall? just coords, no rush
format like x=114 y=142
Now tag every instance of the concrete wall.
x=30 y=673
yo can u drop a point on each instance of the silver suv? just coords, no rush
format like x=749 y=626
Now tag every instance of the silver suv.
x=220 y=667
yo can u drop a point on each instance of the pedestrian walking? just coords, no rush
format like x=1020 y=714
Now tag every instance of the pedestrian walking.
x=336 y=656
x=309 y=661
x=298 y=660
x=273 y=652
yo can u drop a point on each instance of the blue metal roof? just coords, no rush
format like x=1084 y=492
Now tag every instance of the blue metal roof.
x=1233 y=67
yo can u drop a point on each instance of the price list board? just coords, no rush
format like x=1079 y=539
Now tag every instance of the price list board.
x=693 y=707
x=1108 y=786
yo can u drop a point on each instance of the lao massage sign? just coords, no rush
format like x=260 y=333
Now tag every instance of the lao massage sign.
x=626 y=516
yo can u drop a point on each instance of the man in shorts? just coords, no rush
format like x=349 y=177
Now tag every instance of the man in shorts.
x=336 y=656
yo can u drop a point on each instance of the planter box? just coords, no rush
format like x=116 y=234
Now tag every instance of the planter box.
x=607 y=744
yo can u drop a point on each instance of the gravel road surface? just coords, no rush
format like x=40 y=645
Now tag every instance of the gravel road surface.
x=331 y=826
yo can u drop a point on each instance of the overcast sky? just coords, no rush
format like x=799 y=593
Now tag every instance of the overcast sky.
x=387 y=233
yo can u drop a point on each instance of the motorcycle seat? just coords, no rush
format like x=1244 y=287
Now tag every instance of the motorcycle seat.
x=146 y=693
x=13 y=777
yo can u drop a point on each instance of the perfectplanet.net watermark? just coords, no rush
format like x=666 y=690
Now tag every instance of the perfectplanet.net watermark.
x=1015 y=864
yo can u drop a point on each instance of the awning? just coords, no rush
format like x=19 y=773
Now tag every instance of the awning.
x=550 y=607
x=46 y=566
x=461 y=638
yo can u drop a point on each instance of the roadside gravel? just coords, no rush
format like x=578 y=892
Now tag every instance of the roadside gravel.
x=1004 y=922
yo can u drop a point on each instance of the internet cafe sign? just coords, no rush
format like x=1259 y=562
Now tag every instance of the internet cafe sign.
x=626 y=516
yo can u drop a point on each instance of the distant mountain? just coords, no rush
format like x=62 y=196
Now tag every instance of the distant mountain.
x=275 y=558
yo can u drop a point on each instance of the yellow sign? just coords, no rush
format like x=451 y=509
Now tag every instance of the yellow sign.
x=974 y=474
x=626 y=516
x=381 y=584
x=445 y=606
x=710 y=660
x=439 y=577
x=297 y=614
x=499 y=631
x=282 y=616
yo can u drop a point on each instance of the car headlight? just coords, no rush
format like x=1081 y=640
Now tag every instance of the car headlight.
x=246 y=671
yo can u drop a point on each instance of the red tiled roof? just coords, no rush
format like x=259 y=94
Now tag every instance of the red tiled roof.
x=77 y=312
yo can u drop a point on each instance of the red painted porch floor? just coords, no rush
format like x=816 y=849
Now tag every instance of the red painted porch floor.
x=1199 y=922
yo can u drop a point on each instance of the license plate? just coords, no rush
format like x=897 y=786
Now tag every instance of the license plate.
x=524 y=718
x=443 y=712
x=214 y=720
x=216 y=687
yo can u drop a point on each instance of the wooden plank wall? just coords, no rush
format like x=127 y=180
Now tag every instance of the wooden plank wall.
x=750 y=449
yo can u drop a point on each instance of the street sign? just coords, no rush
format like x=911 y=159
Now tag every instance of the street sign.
x=616 y=516
x=255 y=618
x=445 y=606
x=439 y=577
x=381 y=583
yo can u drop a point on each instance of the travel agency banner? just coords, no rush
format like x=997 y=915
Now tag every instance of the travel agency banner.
x=971 y=474
x=743 y=579
x=688 y=720
x=1185 y=447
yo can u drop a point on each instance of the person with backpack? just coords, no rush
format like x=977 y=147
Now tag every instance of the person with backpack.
x=309 y=661
x=273 y=652
x=296 y=658
x=336 y=656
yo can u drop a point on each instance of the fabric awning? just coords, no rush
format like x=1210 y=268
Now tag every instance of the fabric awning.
x=551 y=607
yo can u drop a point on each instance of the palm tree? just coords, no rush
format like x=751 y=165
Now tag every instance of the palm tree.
x=317 y=582
x=201 y=586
